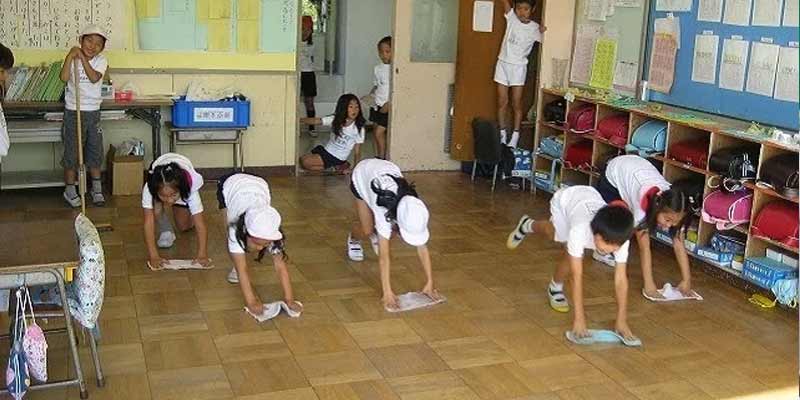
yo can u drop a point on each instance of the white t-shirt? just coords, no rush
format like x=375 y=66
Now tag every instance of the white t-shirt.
x=572 y=210
x=378 y=170
x=341 y=146
x=633 y=176
x=518 y=40
x=306 y=57
x=194 y=202
x=383 y=79
x=90 y=92
x=242 y=192
x=5 y=142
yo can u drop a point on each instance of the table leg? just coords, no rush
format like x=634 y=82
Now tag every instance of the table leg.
x=152 y=116
x=241 y=149
x=71 y=334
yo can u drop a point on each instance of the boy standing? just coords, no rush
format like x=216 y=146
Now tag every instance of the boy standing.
x=581 y=219
x=6 y=63
x=379 y=114
x=512 y=63
x=91 y=67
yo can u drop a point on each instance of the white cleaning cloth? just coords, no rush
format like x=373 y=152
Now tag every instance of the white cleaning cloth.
x=414 y=300
x=179 y=265
x=271 y=310
x=671 y=293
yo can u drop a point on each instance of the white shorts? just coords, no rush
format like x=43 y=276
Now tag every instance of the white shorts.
x=559 y=219
x=508 y=74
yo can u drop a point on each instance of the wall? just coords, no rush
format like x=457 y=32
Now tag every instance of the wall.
x=419 y=103
x=558 y=17
x=270 y=141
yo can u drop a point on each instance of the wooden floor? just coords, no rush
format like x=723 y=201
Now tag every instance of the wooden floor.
x=183 y=335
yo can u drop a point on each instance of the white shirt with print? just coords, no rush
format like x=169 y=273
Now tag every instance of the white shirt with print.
x=518 y=40
x=242 y=192
x=194 y=202
x=383 y=80
x=90 y=92
x=379 y=171
x=340 y=146
x=633 y=176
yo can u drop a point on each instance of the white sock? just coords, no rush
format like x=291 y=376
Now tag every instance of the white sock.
x=71 y=190
x=97 y=185
x=556 y=287
x=503 y=136
x=514 y=139
x=527 y=226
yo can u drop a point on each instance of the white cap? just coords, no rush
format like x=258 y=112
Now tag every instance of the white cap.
x=412 y=219
x=93 y=30
x=263 y=223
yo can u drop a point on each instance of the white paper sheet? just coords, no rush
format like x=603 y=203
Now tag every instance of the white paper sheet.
x=625 y=74
x=733 y=64
x=669 y=26
x=612 y=7
x=704 y=64
x=763 y=63
x=482 y=16
x=709 y=10
x=583 y=54
x=791 y=13
x=629 y=3
x=596 y=10
x=674 y=5
x=767 y=12
x=737 y=12
x=787 y=86
x=662 y=63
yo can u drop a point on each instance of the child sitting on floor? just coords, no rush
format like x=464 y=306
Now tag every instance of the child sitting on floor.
x=581 y=219
x=347 y=135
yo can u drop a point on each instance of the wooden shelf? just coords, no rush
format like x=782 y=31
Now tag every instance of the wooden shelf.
x=32 y=179
x=553 y=126
x=685 y=166
x=545 y=156
x=771 y=192
x=584 y=171
x=742 y=229
x=602 y=140
x=775 y=243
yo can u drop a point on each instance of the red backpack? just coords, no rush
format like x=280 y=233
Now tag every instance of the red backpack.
x=579 y=154
x=614 y=129
x=581 y=119
x=778 y=220
x=692 y=152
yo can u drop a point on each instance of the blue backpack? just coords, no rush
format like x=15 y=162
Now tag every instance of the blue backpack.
x=552 y=146
x=648 y=139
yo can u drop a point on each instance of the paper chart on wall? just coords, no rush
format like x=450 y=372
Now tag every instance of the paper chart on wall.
x=629 y=3
x=597 y=10
x=737 y=12
x=611 y=8
x=787 y=85
x=669 y=26
x=767 y=12
x=709 y=10
x=583 y=53
x=733 y=64
x=625 y=74
x=482 y=16
x=603 y=62
x=763 y=63
x=791 y=13
x=674 y=5
x=704 y=65
x=662 y=63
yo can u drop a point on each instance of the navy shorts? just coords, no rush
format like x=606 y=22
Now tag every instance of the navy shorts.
x=328 y=159
x=379 y=118
x=609 y=192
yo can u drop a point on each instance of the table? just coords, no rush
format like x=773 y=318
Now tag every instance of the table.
x=231 y=135
x=36 y=264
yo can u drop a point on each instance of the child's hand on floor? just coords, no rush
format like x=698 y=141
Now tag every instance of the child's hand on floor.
x=256 y=308
x=429 y=291
x=294 y=306
x=653 y=293
x=685 y=287
x=579 y=329
x=157 y=262
x=624 y=330
x=204 y=261
x=390 y=301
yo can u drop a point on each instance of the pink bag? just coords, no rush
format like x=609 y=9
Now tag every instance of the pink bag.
x=34 y=344
x=727 y=209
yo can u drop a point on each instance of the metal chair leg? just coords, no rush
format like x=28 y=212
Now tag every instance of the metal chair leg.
x=101 y=380
x=494 y=176
x=474 y=166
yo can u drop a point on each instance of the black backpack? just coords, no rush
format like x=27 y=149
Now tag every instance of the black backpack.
x=693 y=188
x=781 y=172
x=735 y=162
x=555 y=112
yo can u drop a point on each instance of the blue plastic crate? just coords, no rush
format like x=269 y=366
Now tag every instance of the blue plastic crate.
x=210 y=114
x=765 y=271
x=716 y=257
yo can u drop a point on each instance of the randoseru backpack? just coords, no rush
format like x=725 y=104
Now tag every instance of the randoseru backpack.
x=727 y=209
x=555 y=111
x=614 y=129
x=579 y=154
x=648 y=139
x=581 y=119
x=778 y=220
x=552 y=146
x=737 y=163
x=692 y=152
x=780 y=173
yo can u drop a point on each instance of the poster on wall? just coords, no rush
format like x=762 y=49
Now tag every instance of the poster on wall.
x=625 y=74
x=482 y=16
x=733 y=64
x=704 y=65
x=603 y=62
x=709 y=10
x=669 y=26
x=767 y=12
x=787 y=86
x=763 y=64
x=662 y=63
x=791 y=13
x=597 y=10
x=629 y=3
x=583 y=53
x=737 y=12
x=674 y=5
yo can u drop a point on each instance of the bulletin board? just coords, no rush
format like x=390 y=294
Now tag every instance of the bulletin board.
x=623 y=22
x=231 y=35
x=711 y=97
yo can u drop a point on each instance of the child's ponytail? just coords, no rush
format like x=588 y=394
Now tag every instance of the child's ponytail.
x=675 y=199
x=389 y=199
x=167 y=175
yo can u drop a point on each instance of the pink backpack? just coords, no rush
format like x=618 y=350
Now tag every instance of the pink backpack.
x=727 y=209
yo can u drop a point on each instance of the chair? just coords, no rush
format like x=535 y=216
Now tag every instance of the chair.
x=488 y=149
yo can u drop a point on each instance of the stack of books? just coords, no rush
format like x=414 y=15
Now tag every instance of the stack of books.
x=41 y=83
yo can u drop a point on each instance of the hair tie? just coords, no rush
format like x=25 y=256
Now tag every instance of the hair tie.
x=618 y=203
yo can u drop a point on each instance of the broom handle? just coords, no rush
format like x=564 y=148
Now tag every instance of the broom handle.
x=81 y=167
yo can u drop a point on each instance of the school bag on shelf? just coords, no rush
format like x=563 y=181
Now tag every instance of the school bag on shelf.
x=522 y=163
x=581 y=119
x=778 y=221
x=614 y=129
x=548 y=181
x=734 y=166
x=554 y=112
x=780 y=174
x=692 y=152
x=727 y=210
x=552 y=146
x=579 y=155
x=648 y=139
x=693 y=188
x=728 y=242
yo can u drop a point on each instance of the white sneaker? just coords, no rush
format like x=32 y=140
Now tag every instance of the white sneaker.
x=373 y=239
x=233 y=276
x=166 y=239
x=354 y=249
x=558 y=301
x=74 y=202
x=98 y=199
x=607 y=259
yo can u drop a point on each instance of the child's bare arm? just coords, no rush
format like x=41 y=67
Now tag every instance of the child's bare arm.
x=576 y=271
x=621 y=289
x=425 y=260
x=685 y=286
x=67 y=66
x=506 y=6
x=283 y=275
x=356 y=154
x=384 y=260
x=93 y=75
x=202 y=238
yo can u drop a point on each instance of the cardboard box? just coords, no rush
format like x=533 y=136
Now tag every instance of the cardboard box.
x=126 y=173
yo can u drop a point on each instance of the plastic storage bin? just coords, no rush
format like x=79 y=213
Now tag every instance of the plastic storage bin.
x=210 y=114
x=765 y=271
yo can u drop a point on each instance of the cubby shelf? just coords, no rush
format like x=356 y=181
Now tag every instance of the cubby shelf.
x=770 y=192
x=775 y=243
x=551 y=125
x=685 y=166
